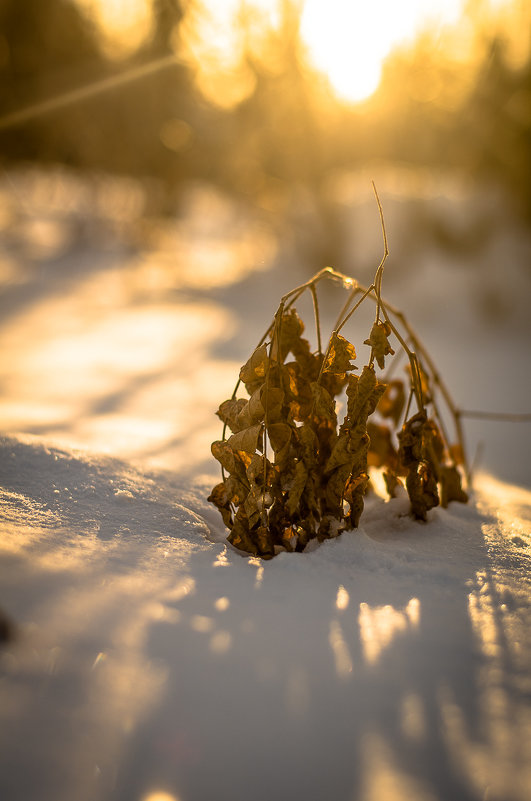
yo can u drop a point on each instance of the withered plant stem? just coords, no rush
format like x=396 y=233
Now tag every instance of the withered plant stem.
x=379 y=271
x=317 y=320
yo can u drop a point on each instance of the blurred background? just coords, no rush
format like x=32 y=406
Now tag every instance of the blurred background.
x=168 y=168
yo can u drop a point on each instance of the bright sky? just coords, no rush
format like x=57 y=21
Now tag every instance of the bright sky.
x=347 y=40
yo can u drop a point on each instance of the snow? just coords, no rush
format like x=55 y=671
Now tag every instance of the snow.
x=152 y=662
x=391 y=662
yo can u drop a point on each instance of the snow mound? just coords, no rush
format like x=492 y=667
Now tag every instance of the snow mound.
x=149 y=657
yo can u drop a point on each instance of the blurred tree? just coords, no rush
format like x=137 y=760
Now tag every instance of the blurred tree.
x=284 y=139
x=150 y=122
x=47 y=49
x=497 y=124
x=471 y=114
x=144 y=126
x=283 y=154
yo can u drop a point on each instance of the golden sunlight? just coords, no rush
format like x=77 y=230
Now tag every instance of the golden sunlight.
x=160 y=795
x=123 y=23
x=215 y=38
x=345 y=40
x=348 y=41
x=380 y=625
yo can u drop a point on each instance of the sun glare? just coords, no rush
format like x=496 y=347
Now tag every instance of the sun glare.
x=348 y=40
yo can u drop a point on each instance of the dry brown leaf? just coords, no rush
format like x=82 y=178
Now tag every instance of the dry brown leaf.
x=341 y=453
x=220 y=498
x=299 y=483
x=279 y=435
x=272 y=400
x=240 y=535
x=237 y=489
x=222 y=451
x=451 y=489
x=251 y=412
x=308 y=443
x=291 y=330
x=254 y=370
x=335 y=488
x=419 y=453
x=392 y=403
x=264 y=542
x=378 y=341
x=354 y=493
x=421 y=485
x=340 y=353
x=363 y=394
x=324 y=405
x=246 y=440
x=229 y=412
x=392 y=483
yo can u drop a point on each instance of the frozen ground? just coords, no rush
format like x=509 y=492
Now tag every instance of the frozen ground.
x=149 y=660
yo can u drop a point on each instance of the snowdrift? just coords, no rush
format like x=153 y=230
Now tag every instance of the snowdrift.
x=149 y=660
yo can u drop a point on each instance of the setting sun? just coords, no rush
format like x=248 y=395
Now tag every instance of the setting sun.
x=348 y=41
x=345 y=40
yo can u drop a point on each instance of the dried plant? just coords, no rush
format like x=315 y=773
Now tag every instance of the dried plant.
x=290 y=472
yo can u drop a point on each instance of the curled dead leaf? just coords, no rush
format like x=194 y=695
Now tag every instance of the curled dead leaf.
x=222 y=451
x=254 y=370
x=229 y=412
x=392 y=483
x=451 y=488
x=251 y=412
x=288 y=330
x=339 y=356
x=354 y=494
x=421 y=485
x=220 y=498
x=246 y=440
x=379 y=342
x=363 y=393
x=419 y=452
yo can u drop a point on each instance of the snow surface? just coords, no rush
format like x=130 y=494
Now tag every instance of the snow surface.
x=149 y=660
x=391 y=663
